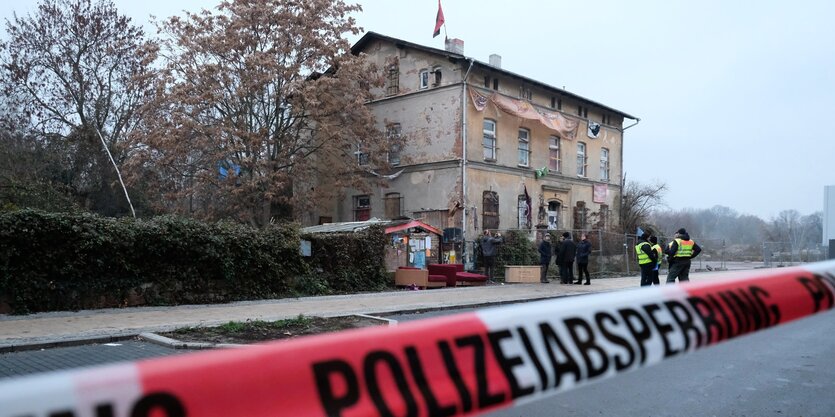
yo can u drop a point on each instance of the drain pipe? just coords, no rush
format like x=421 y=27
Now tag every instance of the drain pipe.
x=464 y=154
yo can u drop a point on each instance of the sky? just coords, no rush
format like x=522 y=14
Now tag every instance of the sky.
x=736 y=99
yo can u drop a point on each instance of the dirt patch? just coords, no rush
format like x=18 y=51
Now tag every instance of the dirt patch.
x=254 y=331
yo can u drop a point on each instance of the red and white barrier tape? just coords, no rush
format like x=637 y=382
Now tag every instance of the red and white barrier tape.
x=458 y=365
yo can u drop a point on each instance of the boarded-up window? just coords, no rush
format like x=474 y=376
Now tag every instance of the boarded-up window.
x=392 y=205
x=603 y=216
x=490 y=214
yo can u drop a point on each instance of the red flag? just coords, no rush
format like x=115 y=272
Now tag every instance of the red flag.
x=439 y=20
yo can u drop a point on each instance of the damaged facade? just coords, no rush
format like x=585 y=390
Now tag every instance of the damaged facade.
x=530 y=148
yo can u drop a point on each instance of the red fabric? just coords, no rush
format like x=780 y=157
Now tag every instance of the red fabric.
x=436 y=278
x=439 y=20
x=446 y=270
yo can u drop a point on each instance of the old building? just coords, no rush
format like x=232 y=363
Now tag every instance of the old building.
x=481 y=147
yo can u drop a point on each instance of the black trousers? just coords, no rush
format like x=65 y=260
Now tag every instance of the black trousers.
x=543 y=276
x=655 y=279
x=583 y=267
x=489 y=266
x=646 y=274
x=680 y=268
x=567 y=272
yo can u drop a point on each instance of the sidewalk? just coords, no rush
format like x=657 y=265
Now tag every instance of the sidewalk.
x=57 y=327
x=67 y=327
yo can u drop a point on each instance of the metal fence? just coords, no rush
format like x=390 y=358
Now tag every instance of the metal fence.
x=613 y=254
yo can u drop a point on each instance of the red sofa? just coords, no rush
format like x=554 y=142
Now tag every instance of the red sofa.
x=455 y=274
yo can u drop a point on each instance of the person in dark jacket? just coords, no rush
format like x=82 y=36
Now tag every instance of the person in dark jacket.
x=557 y=258
x=679 y=253
x=544 y=257
x=566 y=257
x=653 y=240
x=489 y=250
x=647 y=259
x=583 y=252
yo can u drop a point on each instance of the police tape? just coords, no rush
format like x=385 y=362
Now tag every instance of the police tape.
x=458 y=365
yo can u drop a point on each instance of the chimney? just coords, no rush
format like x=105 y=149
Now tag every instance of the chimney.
x=455 y=45
x=496 y=61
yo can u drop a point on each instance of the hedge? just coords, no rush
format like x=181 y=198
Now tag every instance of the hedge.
x=56 y=261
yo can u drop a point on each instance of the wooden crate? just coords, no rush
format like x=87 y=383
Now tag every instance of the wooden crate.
x=522 y=273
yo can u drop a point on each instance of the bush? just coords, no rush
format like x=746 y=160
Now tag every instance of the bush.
x=54 y=261
x=347 y=262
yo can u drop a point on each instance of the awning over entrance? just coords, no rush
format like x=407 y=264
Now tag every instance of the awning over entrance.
x=416 y=224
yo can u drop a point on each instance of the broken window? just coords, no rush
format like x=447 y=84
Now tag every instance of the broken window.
x=490 y=210
x=436 y=76
x=394 y=138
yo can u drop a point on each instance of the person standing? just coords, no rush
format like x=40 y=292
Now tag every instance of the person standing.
x=583 y=253
x=646 y=259
x=558 y=258
x=544 y=257
x=566 y=256
x=489 y=249
x=679 y=254
x=658 y=251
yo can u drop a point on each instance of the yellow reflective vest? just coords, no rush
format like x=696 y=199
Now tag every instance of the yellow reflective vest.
x=643 y=258
x=685 y=248
x=657 y=248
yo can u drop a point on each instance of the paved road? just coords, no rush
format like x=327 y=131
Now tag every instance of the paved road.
x=36 y=361
x=785 y=371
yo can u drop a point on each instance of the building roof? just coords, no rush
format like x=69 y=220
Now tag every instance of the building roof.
x=369 y=36
x=353 y=227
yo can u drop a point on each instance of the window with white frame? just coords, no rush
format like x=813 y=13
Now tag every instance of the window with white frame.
x=424 y=79
x=554 y=153
x=360 y=154
x=524 y=147
x=489 y=140
x=604 y=164
x=522 y=211
x=581 y=159
x=393 y=136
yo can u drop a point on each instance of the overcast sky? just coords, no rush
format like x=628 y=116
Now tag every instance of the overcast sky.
x=736 y=99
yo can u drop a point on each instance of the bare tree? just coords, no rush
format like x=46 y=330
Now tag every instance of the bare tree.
x=639 y=201
x=260 y=102
x=74 y=69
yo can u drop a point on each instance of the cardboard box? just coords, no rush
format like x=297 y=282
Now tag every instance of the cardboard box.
x=522 y=273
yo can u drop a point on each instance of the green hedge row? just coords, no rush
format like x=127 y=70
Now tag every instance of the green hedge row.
x=55 y=261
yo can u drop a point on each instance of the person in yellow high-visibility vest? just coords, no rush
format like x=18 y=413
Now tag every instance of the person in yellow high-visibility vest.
x=647 y=258
x=657 y=248
x=679 y=253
